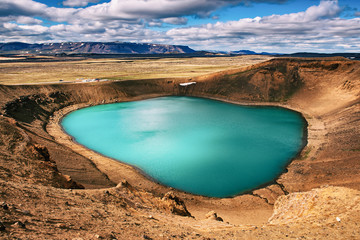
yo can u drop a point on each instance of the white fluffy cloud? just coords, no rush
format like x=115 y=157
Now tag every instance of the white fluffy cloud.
x=121 y=9
x=319 y=28
x=314 y=19
x=175 y=20
x=151 y=9
x=28 y=20
x=316 y=28
x=30 y=8
x=326 y=9
x=21 y=8
x=78 y=3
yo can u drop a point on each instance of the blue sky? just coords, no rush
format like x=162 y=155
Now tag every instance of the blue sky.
x=259 y=25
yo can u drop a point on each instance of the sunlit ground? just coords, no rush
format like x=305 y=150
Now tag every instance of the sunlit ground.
x=119 y=69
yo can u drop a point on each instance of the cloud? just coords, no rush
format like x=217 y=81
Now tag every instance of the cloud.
x=172 y=11
x=319 y=28
x=316 y=28
x=20 y=20
x=21 y=8
x=15 y=32
x=30 y=8
x=60 y=14
x=155 y=9
x=175 y=20
x=78 y=3
x=111 y=31
x=326 y=9
x=28 y=20
x=290 y=24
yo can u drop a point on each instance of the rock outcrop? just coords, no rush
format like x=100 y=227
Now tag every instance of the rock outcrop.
x=175 y=205
x=212 y=215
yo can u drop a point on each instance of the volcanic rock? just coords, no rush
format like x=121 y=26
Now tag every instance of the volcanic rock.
x=175 y=205
x=212 y=215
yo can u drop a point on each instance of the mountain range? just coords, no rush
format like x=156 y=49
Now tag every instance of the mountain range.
x=92 y=47
x=127 y=48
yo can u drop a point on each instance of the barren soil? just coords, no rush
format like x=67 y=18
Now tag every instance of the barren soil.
x=43 y=172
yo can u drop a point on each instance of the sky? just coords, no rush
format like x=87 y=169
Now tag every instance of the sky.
x=276 y=26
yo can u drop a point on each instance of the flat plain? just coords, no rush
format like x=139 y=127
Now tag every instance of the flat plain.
x=16 y=72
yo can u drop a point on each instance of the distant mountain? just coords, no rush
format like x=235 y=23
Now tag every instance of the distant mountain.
x=248 y=52
x=243 y=52
x=352 y=56
x=92 y=47
x=107 y=48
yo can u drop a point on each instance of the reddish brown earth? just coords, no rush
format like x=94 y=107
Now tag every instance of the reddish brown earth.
x=42 y=172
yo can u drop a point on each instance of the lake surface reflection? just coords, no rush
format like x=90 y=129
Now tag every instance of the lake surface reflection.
x=197 y=145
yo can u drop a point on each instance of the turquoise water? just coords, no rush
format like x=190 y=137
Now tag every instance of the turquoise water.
x=197 y=145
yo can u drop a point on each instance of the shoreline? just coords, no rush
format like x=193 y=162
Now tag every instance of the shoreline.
x=102 y=162
x=118 y=171
x=67 y=110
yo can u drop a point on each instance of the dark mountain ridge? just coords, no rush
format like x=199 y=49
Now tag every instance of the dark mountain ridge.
x=351 y=56
x=106 y=49
x=92 y=47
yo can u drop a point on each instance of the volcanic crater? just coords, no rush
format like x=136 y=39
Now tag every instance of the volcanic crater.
x=52 y=187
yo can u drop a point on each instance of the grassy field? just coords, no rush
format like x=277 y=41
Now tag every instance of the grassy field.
x=119 y=69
